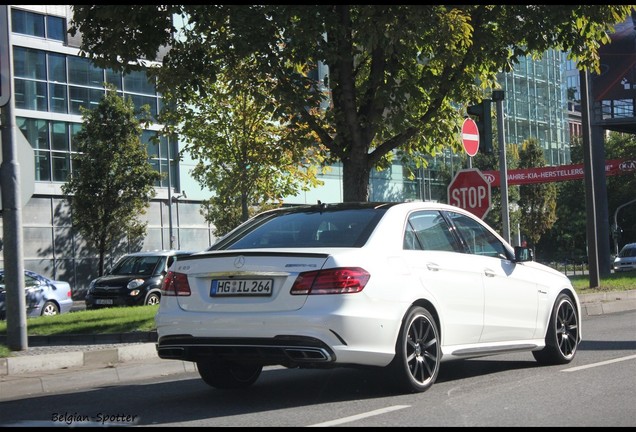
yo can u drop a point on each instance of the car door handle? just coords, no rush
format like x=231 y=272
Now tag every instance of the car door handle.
x=432 y=267
x=489 y=273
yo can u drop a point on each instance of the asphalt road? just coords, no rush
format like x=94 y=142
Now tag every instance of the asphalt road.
x=595 y=390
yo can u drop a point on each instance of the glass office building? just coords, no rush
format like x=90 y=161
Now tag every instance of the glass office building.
x=535 y=105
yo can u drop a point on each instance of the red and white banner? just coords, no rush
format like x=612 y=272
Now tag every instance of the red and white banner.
x=557 y=173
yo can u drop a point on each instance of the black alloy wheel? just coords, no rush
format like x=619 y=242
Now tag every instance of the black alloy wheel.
x=418 y=352
x=562 y=337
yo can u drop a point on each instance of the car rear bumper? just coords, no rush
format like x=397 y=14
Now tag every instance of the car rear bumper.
x=363 y=337
x=290 y=351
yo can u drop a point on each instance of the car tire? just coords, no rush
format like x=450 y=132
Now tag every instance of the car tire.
x=562 y=336
x=228 y=375
x=153 y=299
x=50 y=308
x=418 y=352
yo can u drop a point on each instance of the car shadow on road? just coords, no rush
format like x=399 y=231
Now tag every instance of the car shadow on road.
x=189 y=399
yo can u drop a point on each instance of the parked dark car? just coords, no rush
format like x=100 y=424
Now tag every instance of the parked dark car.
x=44 y=296
x=135 y=280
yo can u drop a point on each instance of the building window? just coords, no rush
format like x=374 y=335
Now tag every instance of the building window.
x=57 y=67
x=58 y=100
x=114 y=78
x=59 y=136
x=27 y=23
x=58 y=83
x=138 y=82
x=30 y=95
x=61 y=166
x=29 y=63
x=140 y=101
x=38 y=25
x=55 y=28
x=159 y=154
x=82 y=72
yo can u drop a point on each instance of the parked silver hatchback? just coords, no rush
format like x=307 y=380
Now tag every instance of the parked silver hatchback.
x=626 y=259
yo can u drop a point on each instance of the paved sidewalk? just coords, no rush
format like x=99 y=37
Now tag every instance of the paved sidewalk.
x=136 y=364
x=53 y=368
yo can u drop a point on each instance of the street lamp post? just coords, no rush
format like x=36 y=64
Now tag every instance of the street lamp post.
x=170 y=234
x=175 y=199
x=498 y=96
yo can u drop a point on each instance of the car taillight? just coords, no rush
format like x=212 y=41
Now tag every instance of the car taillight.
x=331 y=281
x=175 y=284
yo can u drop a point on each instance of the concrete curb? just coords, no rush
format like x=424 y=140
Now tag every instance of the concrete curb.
x=74 y=359
x=36 y=383
x=609 y=302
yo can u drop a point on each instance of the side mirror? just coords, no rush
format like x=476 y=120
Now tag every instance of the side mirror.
x=523 y=254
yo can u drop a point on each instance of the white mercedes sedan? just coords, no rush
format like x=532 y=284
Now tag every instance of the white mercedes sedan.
x=403 y=287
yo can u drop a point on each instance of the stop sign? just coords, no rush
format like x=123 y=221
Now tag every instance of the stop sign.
x=470 y=136
x=471 y=191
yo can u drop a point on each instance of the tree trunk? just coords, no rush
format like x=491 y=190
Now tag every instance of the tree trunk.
x=101 y=262
x=355 y=180
x=245 y=211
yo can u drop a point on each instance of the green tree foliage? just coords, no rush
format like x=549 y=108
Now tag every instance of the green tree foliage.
x=399 y=76
x=567 y=240
x=537 y=202
x=246 y=154
x=112 y=183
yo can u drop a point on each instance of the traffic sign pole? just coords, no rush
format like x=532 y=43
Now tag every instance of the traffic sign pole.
x=498 y=97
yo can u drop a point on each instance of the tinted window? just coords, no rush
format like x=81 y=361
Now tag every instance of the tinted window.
x=137 y=265
x=342 y=228
x=478 y=239
x=628 y=252
x=428 y=230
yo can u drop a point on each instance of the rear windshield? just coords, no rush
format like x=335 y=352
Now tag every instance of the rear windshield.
x=137 y=265
x=341 y=228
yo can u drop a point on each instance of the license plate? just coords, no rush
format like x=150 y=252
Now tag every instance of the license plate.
x=241 y=287
x=104 y=301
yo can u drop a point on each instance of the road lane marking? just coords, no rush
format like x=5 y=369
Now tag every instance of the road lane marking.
x=360 y=416
x=578 y=368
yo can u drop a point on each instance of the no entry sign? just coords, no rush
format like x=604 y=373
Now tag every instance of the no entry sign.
x=470 y=136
